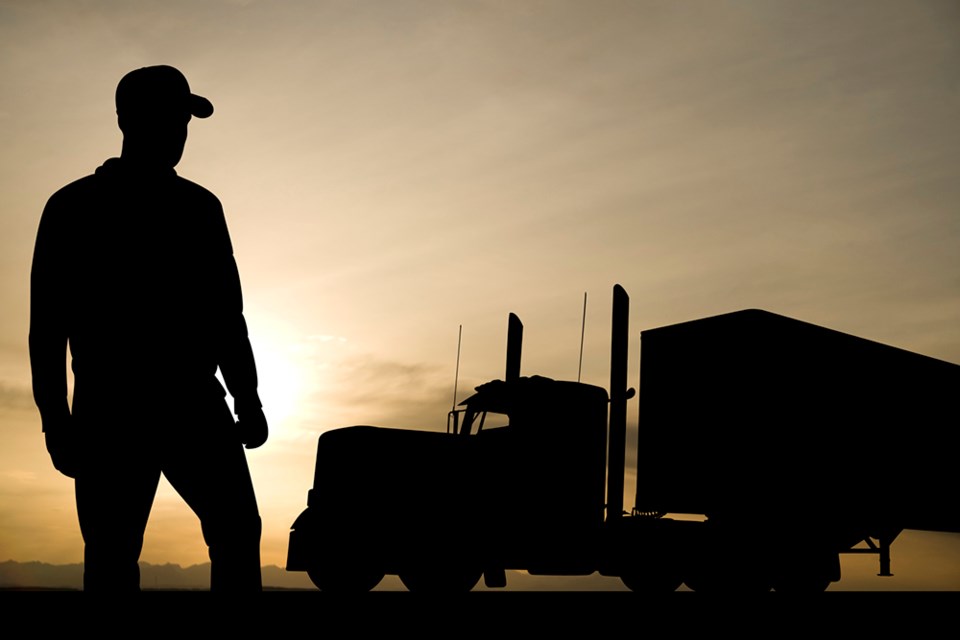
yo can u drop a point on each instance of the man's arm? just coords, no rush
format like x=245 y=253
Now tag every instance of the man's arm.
x=48 y=339
x=237 y=363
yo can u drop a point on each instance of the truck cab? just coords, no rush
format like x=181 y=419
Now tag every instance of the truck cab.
x=516 y=482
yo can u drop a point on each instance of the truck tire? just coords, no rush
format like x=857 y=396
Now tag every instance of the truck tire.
x=742 y=584
x=801 y=584
x=435 y=580
x=652 y=581
x=724 y=575
x=729 y=558
x=345 y=579
x=809 y=571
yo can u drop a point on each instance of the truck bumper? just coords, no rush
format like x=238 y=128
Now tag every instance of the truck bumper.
x=299 y=556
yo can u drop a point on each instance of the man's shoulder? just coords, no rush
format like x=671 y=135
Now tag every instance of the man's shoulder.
x=197 y=192
x=77 y=188
x=110 y=181
x=79 y=194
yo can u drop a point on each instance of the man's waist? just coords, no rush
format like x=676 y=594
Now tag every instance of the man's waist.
x=97 y=380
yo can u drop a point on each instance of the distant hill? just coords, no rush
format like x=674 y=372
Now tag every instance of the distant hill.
x=40 y=575
x=43 y=576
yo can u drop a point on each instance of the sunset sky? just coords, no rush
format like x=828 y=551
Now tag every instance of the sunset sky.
x=392 y=171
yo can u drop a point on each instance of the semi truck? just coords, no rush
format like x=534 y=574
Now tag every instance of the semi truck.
x=766 y=447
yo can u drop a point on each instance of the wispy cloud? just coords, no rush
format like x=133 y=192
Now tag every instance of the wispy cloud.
x=19 y=476
x=16 y=397
x=366 y=389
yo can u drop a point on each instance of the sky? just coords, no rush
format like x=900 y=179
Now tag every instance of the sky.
x=394 y=173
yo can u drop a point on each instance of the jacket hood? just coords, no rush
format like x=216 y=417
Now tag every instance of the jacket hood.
x=124 y=169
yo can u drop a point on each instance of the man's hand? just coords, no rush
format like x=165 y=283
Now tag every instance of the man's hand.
x=63 y=446
x=253 y=427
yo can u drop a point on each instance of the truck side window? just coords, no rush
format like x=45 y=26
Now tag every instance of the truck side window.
x=490 y=421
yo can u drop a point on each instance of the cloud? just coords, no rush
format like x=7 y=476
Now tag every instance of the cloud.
x=19 y=476
x=326 y=338
x=16 y=397
x=371 y=390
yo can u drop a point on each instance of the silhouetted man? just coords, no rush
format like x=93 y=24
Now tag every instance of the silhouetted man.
x=134 y=269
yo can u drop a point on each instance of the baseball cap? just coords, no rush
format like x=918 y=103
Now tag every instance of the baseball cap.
x=159 y=89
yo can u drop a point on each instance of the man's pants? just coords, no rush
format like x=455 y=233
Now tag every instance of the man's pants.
x=200 y=454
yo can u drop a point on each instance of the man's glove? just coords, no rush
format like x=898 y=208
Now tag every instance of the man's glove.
x=63 y=446
x=253 y=427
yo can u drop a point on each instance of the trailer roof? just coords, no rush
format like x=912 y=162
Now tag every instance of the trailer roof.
x=761 y=328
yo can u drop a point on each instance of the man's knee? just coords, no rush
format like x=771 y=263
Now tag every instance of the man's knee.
x=232 y=530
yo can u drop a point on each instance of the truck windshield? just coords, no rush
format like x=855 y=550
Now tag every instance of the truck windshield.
x=466 y=422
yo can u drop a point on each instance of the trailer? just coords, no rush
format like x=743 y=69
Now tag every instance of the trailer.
x=767 y=446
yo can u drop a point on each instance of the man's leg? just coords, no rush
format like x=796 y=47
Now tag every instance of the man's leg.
x=115 y=490
x=206 y=463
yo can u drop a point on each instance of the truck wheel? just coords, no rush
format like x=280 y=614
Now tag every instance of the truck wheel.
x=736 y=585
x=653 y=581
x=345 y=580
x=801 y=580
x=440 y=580
x=710 y=579
x=809 y=573
x=799 y=584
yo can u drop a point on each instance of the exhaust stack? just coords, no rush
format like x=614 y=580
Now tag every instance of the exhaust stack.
x=514 y=347
x=618 y=402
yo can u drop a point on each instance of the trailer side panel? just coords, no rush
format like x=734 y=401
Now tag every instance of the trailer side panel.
x=759 y=416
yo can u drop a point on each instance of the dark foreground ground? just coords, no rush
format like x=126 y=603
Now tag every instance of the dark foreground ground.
x=536 y=615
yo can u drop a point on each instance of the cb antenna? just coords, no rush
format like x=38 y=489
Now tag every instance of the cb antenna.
x=583 y=327
x=453 y=416
x=456 y=375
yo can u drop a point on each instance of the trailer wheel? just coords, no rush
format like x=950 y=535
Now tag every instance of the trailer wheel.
x=345 y=579
x=437 y=580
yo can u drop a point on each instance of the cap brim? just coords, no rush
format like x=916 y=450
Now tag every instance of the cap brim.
x=200 y=107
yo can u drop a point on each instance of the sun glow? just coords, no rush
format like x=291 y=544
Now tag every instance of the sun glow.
x=283 y=379
x=290 y=370
x=281 y=385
